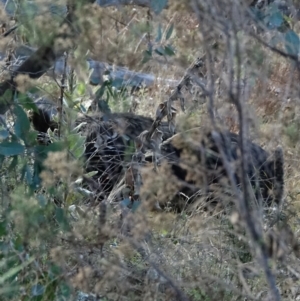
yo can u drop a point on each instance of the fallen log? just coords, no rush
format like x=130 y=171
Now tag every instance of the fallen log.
x=119 y=74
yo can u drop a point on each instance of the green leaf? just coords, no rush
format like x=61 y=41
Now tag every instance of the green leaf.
x=6 y=97
x=23 y=171
x=13 y=163
x=64 y=291
x=28 y=174
x=159 y=33
x=53 y=147
x=273 y=17
x=158 y=5
x=94 y=78
x=37 y=290
x=42 y=200
x=292 y=42
x=3 y=230
x=109 y=89
x=41 y=152
x=147 y=56
x=81 y=88
x=160 y=50
x=135 y=205
x=82 y=108
x=91 y=174
x=76 y=144
x=31 y=138
x=100 y=92
x=29 y=8
x=14 y=138
x=50 y=290
x=3 y=133
x=22 y=124
x=275 y=40
x=2 y=158
x=103 y=106
x=13 y=271
x=169 y=50
x=11 y=148
x=18 y=244
x=126 y=202
x=36 y=180
x=169 y=31
x=34 y=90
x=27 y=102
x=62 y=219
x=54 y=271
x=108 y=96
x=276 y=20
x=4 y=248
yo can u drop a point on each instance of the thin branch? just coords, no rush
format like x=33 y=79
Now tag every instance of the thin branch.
x=142 y=3
x=244 y=202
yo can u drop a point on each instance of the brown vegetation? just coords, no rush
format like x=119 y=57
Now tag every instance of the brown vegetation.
x=154 y=166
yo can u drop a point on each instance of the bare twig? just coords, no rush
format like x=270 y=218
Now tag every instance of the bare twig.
x=142 y=3
x=244 y=202
x=62 y=90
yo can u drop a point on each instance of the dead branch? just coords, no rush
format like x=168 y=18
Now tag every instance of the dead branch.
x=129 y=77
x=244 y=200
x=142 y=3
x=166 y=109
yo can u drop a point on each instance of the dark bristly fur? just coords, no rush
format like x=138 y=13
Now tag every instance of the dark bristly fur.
x=264 y=171
x=279 y=174
x=110 y=146
x=114 y=135
x=129 y=124
x=43 y=119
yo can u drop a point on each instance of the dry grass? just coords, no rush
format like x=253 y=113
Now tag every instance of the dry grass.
x=147 y=255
